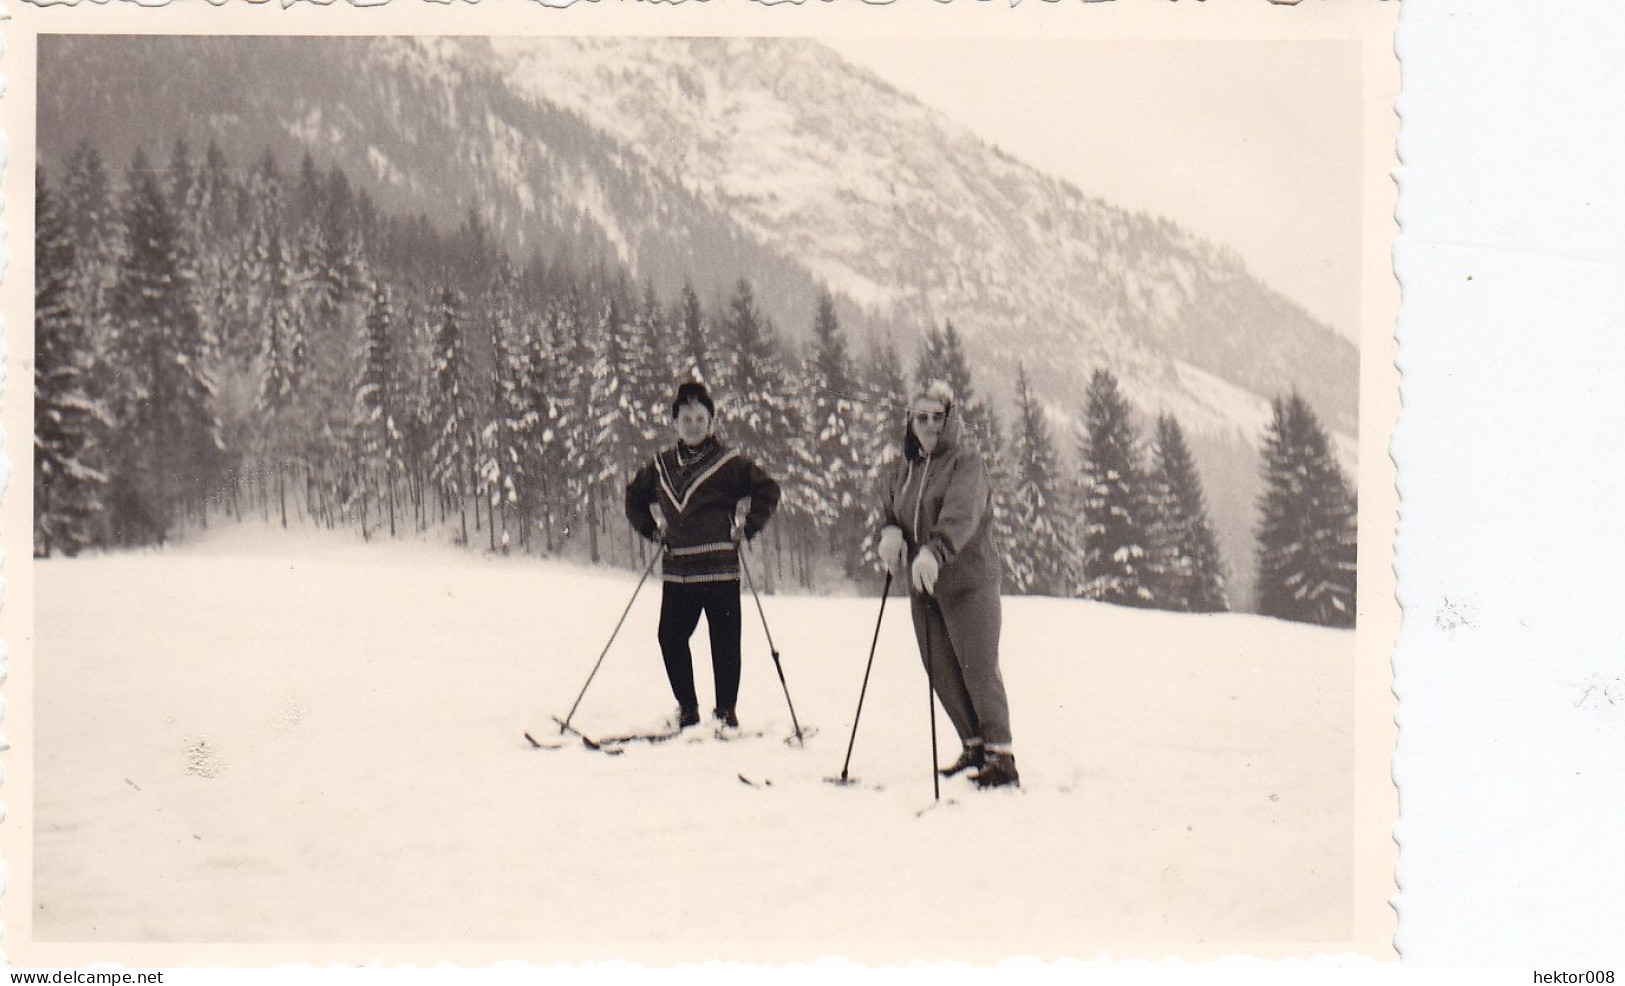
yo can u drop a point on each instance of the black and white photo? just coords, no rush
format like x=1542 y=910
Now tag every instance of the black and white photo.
x=404 y=401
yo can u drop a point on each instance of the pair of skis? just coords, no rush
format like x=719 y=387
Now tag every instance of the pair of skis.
x=613 y=745
x=616 y=745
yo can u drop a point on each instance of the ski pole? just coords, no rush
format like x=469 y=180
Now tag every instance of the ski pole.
x=884 y=593
x=565 y=723
x=931 y=700
x=745 y=567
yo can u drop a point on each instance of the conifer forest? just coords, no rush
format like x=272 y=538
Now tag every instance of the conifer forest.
x=221 y=341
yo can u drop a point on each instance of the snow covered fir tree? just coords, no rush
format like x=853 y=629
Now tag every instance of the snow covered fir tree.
x=169 y=452
x=218 y=343
x=835 y=460
x=1039 y=556
x=68 y=491
x=1118 y=559
x=1190 y=575
x=1307 y=534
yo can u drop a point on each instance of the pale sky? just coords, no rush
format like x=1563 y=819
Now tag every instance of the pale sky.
x=1255 y=145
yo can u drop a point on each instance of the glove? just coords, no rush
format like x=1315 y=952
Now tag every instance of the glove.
x=891 y=548
x=736 y=532
x=926 y=567
x=660 y=522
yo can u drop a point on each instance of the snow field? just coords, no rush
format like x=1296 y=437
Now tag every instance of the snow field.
x=306 y=739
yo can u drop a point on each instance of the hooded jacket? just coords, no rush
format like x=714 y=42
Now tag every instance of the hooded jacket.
x=943 y=501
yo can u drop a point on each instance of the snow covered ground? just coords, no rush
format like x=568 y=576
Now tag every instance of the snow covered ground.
x=269 y=738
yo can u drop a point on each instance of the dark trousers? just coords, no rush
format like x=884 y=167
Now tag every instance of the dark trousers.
x=680 y=609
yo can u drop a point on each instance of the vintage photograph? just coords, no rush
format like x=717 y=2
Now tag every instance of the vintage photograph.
x=686 y=494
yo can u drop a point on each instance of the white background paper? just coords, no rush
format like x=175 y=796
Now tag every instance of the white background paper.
x=1511 y=664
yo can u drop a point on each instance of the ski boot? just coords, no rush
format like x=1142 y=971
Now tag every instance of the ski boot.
x=686 y=716
x=998 y=770
x=727 y=722
x=971 y=756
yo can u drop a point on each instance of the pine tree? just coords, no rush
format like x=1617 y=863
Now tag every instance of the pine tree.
x=170 y=448
x=754 y=409
x=322 y=270
x=450 y=411
x=500 y=465
x=932 y=363
x=956 y=371
x=557 y=370
x=377 y=401
x=266 y=275
x=67 y=485
x=181 y=180
x=1307 y=524
x=648 y=370
x=800 y=529
x=1040 y=553
x=1001 y=474
x=334 y=248
x=837 y=489
x=188 y=238
x=1190 y=575
x=282 y=361
x=696 y=348
x=284 y=348
x=523 y=416
x=603 y=433
x=884 y=417
x=419 y=428
x=305 y=206
x=1116 y=560
x=210 y=202
x=614 y=405
x=212 y=195
x=754 y=379
x=94 y=227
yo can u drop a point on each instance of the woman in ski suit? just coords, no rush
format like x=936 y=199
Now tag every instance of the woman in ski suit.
x=937 y=509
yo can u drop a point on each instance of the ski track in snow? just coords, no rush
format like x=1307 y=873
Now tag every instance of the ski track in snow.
x=286 y=738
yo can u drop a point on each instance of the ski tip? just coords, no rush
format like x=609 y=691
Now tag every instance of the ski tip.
x=536 y=744
x=613 y=750
x=946 y=803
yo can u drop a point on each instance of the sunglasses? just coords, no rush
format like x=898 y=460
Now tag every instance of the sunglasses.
x=927 y=417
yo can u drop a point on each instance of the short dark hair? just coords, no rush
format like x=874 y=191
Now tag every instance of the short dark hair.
x=693 y=392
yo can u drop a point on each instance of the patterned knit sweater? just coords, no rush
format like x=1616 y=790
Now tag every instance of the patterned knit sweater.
x=697 y=490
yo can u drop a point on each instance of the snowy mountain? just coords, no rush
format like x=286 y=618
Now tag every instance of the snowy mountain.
x=905 y=212
x=421 y=127
x=711 y=158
